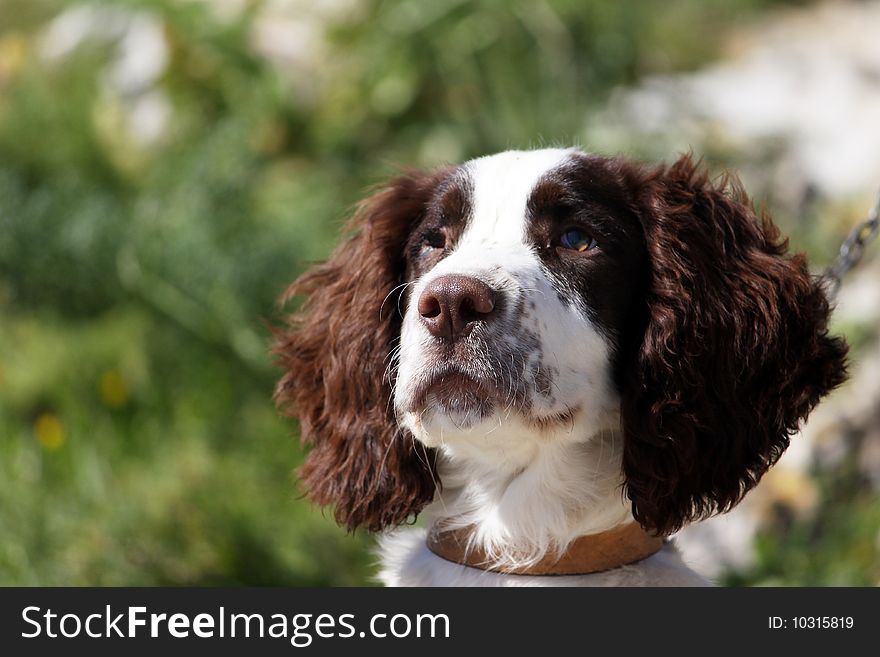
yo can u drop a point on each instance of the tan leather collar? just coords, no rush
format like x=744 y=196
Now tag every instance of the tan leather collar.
x=587 y=554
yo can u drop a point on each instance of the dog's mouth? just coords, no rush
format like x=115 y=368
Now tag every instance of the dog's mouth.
x=450 y=399
x=456 y=394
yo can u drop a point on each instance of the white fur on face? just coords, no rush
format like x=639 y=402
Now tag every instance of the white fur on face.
x=542 y=466
x=544 y=348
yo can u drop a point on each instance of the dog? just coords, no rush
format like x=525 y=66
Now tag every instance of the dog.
x=562 y=358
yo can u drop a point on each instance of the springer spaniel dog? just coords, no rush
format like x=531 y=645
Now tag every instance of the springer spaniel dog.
x=562 y=357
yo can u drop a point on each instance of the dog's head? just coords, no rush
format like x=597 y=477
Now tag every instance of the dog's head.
x=545 y=296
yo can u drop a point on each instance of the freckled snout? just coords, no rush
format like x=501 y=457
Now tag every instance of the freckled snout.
x=450 y=306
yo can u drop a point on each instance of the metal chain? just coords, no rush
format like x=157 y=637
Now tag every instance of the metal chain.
x=853 y=248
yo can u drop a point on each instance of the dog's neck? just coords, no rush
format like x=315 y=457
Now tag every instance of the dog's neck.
x=527 y=499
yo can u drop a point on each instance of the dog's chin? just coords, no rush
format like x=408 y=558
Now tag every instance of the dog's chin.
x=460 y=410
x=442 y=425
x=450 y=405
x=438 y=423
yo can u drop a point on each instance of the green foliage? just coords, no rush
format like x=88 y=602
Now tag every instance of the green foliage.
x=138 y=441
x=834 y=546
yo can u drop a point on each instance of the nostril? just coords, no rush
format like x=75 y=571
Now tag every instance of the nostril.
x=429 y=306
x=474 y=308
x=482 y=302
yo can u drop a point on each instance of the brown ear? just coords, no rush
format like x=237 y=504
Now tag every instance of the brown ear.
x=735 y=355
x=335 y=351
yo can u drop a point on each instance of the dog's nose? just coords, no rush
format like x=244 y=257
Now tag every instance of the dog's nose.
x=451 y=305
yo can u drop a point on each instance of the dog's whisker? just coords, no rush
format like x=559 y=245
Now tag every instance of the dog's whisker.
x=401 y=287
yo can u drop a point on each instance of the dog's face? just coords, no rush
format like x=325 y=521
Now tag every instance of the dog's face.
x=521 y=277
x=544 y=296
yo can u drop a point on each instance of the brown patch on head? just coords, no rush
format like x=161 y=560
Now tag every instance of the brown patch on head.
x=440 y=227
x=607 y=283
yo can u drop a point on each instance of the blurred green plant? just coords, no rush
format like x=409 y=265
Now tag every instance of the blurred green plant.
x=138 y=441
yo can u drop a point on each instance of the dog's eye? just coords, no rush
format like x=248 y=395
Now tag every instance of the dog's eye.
x=577 y=240
x=435 y=239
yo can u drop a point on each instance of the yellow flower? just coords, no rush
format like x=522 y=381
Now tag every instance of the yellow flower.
x=114 y=389
x=794 y=490
x=13 y=54
x=50 y=432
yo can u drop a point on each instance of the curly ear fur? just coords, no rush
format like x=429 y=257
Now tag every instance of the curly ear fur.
x=335 y=350
x=735 y=353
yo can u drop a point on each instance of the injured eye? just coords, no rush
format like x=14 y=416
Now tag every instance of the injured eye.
x=576 y=240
